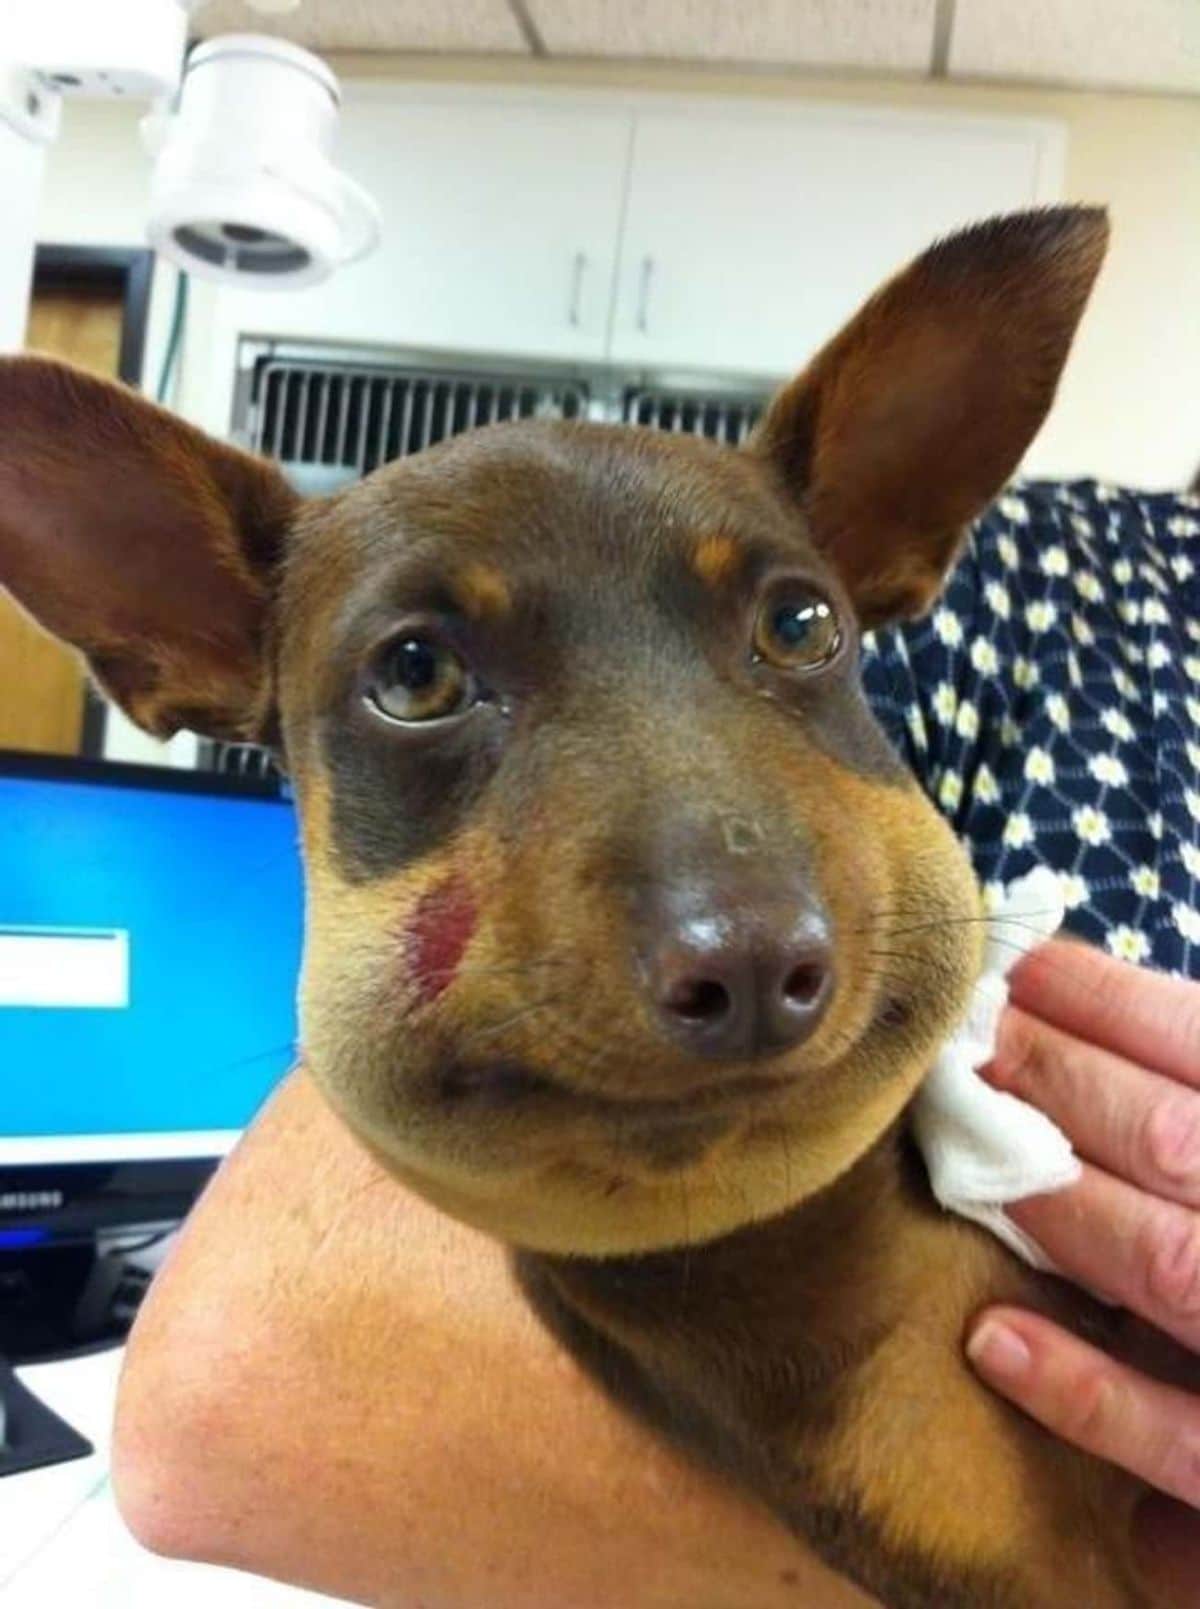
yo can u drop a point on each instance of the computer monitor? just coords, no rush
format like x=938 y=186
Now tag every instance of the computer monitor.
x=150 y=931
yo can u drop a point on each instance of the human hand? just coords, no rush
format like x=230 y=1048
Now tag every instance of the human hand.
x=1112 y=1054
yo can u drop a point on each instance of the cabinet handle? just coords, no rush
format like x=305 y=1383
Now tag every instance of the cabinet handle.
x=643 y=308
x=578 y=268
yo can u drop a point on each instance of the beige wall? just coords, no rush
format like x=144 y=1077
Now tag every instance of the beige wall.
x=1129 y=408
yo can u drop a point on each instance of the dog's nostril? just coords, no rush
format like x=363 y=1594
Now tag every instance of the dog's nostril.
x=699 y=1000
x=804 y=983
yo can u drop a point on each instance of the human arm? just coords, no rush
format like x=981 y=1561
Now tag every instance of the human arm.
x=335 y=1385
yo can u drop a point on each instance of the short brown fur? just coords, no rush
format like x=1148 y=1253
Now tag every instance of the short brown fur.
x=755 y=1268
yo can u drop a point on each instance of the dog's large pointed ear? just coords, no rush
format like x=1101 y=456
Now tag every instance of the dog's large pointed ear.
x=910 y=421
x=146 y=544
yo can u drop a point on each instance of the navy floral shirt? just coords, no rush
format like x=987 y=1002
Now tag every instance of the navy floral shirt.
x=1050 y=706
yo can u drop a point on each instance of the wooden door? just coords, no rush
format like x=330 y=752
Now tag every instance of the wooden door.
x=41 y=682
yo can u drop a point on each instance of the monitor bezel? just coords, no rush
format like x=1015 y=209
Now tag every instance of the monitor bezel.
x=46 y=1154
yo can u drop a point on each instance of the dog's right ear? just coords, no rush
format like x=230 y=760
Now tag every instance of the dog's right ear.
x=146 y=544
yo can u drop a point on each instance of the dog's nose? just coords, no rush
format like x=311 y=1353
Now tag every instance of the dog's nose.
x=727 y=990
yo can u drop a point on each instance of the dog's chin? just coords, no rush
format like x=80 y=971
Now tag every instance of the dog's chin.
x=507 y=1084
x=532 y=1161
x=635 y=1135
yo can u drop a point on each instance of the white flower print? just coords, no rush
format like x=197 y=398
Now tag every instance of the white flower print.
x=1128 y=944
x=1040 y=615
x=998 y=599
x=1182 y=567
x=1192 y=800
x=1192 y=666
x=1122 y=572
x=1183 y=525
x=1018 y=830
x=1123 y=683
x=1039 y=766
x=1159 y=654
x=950 y=790
x=1081 y=631
x=1192 y=627
x=987 y=790
x=1087 y=585
x=1073 y=673
x=916 y=726
x=1108 y=769
x=948 y=627
x=1053 y=560
x=1059 y=711
x=945 y=702
x=984 y=657
x=1190 y=855
x=1154 y=822
x=1010 y=732
x=1145 y=881
x=966 y=722
x=1007 y=549
x=1074 y=889
x=1013 y=508
x=1154 y=612
x=1116 y=724
x=1130 y=610
x=1187 y=920
x=1192 y=706
x=1091 y=824
x=1192 y=750
x=1024 y=672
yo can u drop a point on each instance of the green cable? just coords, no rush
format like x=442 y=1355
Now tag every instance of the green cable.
x=170 y=356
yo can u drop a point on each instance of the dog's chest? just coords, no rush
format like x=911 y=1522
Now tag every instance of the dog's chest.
x=819 y=1364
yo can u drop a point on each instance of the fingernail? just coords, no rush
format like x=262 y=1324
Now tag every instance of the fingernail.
x=998 y=1351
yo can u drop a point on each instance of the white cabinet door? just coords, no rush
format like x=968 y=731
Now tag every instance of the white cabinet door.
x=750 y=236
x=500 y=226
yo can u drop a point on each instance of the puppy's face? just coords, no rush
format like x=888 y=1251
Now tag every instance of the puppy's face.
x=626 y=927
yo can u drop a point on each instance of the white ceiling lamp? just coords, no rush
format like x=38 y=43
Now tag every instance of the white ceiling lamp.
x=245 y=188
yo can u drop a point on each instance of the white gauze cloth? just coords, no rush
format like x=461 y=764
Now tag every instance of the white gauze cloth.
x=983 y=1147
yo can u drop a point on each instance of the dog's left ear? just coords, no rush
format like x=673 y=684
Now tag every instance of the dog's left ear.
x=149 y=546
x=910 y=421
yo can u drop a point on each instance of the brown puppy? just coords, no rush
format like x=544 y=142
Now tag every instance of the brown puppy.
x=629 y=937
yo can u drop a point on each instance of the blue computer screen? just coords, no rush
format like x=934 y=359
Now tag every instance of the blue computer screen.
x=149 y=947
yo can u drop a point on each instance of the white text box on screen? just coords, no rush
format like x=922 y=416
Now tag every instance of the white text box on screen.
x=64 y=967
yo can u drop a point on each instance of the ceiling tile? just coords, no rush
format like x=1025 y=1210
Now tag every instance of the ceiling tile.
x=895 y=34
x=374 y=25
x=1153 y=44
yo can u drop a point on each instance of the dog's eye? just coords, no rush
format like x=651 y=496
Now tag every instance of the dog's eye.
x=418 y=678
x=798 y=631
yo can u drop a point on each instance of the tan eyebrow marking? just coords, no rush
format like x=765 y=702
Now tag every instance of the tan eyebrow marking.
x=714 y=557
x=481 y=590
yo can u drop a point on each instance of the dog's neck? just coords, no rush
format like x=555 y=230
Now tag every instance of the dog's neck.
x=809 y=1296
x=768 y=1352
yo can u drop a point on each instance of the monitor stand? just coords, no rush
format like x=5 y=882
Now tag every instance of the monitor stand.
x=32 y=1435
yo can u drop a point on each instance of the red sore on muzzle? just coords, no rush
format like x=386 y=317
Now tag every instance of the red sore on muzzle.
x=437 y=935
